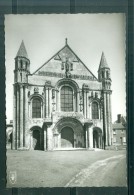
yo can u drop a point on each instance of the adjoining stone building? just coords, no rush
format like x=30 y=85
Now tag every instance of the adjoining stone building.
x=62 y=104
x=119 y=131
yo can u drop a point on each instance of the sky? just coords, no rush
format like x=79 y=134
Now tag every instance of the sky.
x=88 y=36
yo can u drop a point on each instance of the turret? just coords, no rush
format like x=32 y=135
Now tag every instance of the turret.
x=22 y=65
x=104 y=73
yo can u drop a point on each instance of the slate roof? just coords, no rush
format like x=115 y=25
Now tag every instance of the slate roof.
x=103 y=62
x=118 y=126
x=22 y=51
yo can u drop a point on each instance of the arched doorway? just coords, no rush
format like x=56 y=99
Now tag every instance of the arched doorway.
x=10 y=138
x=37 y=138
x=97 y=138
x=67 y=137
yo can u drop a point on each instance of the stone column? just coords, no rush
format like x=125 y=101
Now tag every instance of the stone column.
x=26 y=116
x=110 y=120
x=21 y=116
x=45 y=139
x=84 y=103
x=110 y=107
x=90 y=111
x=105 y=118
x=57 y=100
x=81 y=101
x=78 y=102
x=49 y=137
x=49 y=102
x=18 y=116
x=85 y=136
x=14 y=140
x=46 y=103
x=90 y=136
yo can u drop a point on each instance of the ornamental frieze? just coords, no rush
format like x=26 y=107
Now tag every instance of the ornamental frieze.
x=61 y=75
x=59 y=115
x=35 y=121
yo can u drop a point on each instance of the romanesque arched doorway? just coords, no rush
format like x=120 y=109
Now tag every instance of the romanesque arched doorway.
x=9 y=135
x=68 y=133
x=37 y=138
x=67 y=137
x=97 y=137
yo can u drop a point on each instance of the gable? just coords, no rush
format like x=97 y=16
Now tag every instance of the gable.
x=56 y=66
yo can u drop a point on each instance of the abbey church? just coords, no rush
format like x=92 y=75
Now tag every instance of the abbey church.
x=62 y=104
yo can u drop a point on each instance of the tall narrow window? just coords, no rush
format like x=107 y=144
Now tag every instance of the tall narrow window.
x=71 y=66
x=102 y=74
x=95 y=110
x=21 y=64
x=107 y=74
x=21 y=77
x=66 y=99
x=36 y=108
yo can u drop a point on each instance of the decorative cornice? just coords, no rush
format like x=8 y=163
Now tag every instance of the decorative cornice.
x=61 y=75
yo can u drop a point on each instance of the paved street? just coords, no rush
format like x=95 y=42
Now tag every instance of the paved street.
x=67 y=168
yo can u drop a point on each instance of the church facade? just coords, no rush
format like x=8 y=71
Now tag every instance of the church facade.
x=62 y=104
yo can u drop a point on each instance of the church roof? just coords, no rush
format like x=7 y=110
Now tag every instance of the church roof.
x=103 y=62
x=65 y=53
x=118 y=126
x=22 y=51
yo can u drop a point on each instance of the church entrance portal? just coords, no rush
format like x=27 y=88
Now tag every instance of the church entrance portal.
x=36 y=139
x=67 y=137
x=68 y=133
x=97 y=138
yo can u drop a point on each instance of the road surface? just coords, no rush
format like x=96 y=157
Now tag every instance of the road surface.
x=66 y=168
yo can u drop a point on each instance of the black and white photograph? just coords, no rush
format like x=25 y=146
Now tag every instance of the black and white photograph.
x=66 y=100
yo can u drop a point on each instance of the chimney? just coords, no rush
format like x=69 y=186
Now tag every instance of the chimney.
x=119 y=118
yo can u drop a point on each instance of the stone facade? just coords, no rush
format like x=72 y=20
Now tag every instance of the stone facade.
x=62 y=104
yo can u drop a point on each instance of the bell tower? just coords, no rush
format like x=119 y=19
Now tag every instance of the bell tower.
x=20 y=98
x=104 y=76
x=22 y=65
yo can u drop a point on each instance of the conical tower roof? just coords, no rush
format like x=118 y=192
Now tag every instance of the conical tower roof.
x=103 y=62
x=22 y=51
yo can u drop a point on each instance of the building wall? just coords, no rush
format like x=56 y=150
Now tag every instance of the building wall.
x=119 y=137
x=46 y=84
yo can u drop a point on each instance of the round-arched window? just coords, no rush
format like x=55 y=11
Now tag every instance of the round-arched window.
x=66 y=99
x=36 y=108
x=95 y=110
